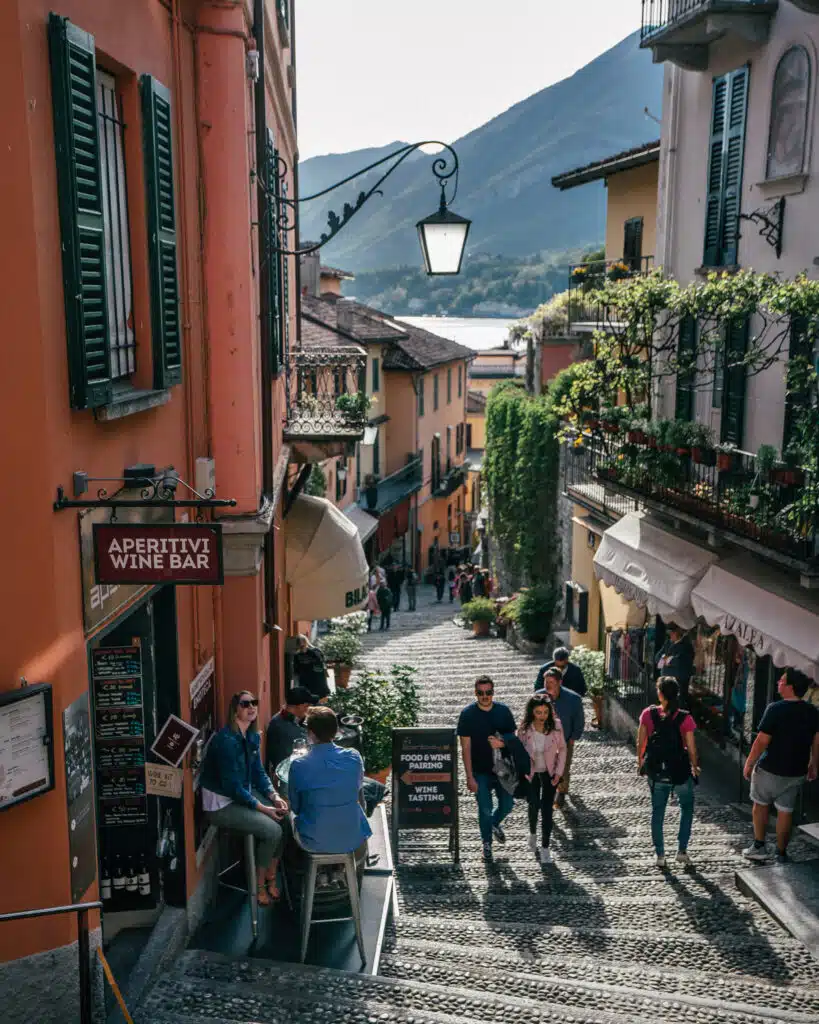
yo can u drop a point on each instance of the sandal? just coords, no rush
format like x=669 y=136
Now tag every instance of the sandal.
x=266 y=898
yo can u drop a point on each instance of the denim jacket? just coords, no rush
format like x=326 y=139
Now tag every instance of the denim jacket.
x=233 y=767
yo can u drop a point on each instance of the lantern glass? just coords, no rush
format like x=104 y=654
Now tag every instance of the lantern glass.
x=443 y=241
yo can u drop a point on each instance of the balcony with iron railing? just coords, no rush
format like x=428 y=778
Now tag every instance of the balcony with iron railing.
x=448 y=482
x=585 y=311
x=325 y=399
x=681 y=31
x=772 y=509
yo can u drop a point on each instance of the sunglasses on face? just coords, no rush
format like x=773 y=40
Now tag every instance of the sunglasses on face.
x=252 y=703
x=484 y=693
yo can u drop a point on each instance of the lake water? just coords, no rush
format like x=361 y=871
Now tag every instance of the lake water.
x=476 y=332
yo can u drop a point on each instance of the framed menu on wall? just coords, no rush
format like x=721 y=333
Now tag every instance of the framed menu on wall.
x=26 y=744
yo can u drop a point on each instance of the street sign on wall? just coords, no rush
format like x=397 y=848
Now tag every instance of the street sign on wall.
x=150 y=553
x=425 y=782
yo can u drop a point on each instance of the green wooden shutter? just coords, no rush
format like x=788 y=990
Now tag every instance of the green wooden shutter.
x=79 y=187
x=633 y=242
x=166 y=329
x=733 y=397
x=726 y=155
x=686 y=348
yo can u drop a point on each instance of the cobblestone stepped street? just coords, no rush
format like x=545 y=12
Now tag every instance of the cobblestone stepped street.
x=600 y=936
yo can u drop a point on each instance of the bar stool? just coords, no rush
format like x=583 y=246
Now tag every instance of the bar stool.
x=322 y=860
x=251 y=888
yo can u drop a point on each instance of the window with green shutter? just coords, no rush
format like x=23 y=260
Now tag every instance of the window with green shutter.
x=166 y=329
x=726 y=155
x=421 y=395
x=633 y=242
x=80 y=193
x=272 y=272
x=686 y=374
x=376 y=375
x=435 y=392
x=733 y=382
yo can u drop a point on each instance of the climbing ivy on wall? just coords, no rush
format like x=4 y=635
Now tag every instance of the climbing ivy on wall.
x=521 y=467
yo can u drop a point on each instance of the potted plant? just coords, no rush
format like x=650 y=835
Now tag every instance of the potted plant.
x=791 y=474
x=480 y=611
x=353 y=406
x=726 y=457
x=340 y=648
x=506 y=613
x=702 y=445
x=638 y=432
x=383 y=701
x=618 y=271
x=592 y=665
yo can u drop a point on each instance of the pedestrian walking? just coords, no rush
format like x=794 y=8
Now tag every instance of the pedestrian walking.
x=372 y=607
x=542 y=735
x=310 y=670
x=784 y=754
x=568 y=706
x=478 y=589
x=667 y=756
x=479 y=725
x=676 y=659
x=412 y=589
x=573 y=678
x=453 y=585
x=440 y=581
x=464 y=588
x=384 y=596
x=396 y=582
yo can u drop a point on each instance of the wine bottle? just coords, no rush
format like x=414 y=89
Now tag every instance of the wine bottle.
x=144 y=877
x=105 y=880
x=119 y=876
x=131 y=884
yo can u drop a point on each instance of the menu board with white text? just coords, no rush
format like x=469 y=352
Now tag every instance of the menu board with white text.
x=26 y=744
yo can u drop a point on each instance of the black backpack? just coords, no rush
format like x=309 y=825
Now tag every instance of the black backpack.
x=666 y=759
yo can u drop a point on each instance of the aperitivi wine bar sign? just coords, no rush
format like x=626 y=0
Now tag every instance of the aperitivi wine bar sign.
x=158 y=553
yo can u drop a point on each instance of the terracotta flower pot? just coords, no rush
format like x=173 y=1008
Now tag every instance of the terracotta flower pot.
x=342 y=675
x=788 y=476
x=704 y=456
x=381 y=776
x=480 y=628
x=725 y=462
x=636 y=437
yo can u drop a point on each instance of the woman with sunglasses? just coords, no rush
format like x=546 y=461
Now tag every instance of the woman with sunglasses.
x=237 y=793
x=542 y=735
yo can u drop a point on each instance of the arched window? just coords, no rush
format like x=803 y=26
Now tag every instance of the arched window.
x=789 y=114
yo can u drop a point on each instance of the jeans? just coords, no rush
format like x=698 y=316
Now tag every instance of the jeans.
x=385 y=619
x=411 y=598
x=439 y=591
x=487 y=814
x=396 y=599
x=541 y=797
x=660 y=792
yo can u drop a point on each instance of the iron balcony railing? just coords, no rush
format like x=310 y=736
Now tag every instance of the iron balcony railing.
x=381 y=495
x=777 y=509
x=326 y=397
x=586 y=278
x=449 y=482
x=658 y=15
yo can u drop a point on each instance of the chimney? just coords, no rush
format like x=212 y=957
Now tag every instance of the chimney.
x=344 y=315
x=311 y=272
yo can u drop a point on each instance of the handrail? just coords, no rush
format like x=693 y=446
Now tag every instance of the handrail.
x=81 y=910
x=71 y=908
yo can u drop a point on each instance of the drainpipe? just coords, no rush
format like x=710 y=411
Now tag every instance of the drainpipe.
x=265 y=313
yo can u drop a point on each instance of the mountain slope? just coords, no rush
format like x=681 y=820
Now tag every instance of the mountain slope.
x=506 y=167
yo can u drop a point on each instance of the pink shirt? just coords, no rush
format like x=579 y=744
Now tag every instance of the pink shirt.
x=555 y=752
x=687 y=723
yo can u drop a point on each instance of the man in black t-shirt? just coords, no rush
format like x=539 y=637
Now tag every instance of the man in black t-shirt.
x=478 y=725
x=784 y=753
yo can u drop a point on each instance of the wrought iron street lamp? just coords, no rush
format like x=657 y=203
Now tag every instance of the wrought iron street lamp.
x=442 y=235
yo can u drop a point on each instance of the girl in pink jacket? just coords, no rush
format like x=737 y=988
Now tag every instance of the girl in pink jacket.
x=542 y=735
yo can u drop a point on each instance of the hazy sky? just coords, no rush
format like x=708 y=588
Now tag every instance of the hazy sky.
x=373 y=71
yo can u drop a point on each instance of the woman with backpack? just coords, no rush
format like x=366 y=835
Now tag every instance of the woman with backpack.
x=667 y=756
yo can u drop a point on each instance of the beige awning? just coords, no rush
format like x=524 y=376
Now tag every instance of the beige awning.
x=326 y=567
x=362 y=521
x=651 y=566
x=764 y=610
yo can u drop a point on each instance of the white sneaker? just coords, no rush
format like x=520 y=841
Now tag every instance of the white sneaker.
x=533 y=843
x=660 y=862
x=754 y=852
x=545 y=855
x=683 y=859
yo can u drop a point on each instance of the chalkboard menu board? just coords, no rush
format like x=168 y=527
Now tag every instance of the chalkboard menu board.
x=119 y=731
x=425 y=782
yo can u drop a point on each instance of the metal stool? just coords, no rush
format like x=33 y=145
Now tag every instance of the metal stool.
x=250 y=872
x=322 y=860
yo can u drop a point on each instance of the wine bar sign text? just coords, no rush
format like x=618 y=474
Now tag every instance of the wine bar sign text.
x=158 y=553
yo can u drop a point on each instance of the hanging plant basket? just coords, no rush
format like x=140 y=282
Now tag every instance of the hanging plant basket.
x=725 y=461
x=611 y=428
x=704 y=456
x=636 y=437
x=788 y=476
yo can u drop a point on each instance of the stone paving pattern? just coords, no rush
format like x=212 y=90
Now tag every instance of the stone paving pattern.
x=600 y=936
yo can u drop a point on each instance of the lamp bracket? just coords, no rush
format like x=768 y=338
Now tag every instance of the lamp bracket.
x=155 y=491
x=444 y=167
x=770 y=220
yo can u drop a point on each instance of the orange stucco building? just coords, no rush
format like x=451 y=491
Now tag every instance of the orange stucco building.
x=151 y=334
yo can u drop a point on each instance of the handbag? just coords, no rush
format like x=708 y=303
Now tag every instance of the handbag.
x=505 y=770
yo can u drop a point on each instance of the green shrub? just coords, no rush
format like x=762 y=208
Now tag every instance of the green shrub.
x=385 y=701
x=340 y=647
x=592 y=664
x=479 y=609
x=536 y=609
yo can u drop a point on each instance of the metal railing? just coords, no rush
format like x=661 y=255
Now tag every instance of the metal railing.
x=450 y=481
x=326 y=395
x=657 y=15
x=585 y=279
x=777 y=508
x=393 y=488
x=84 y=953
